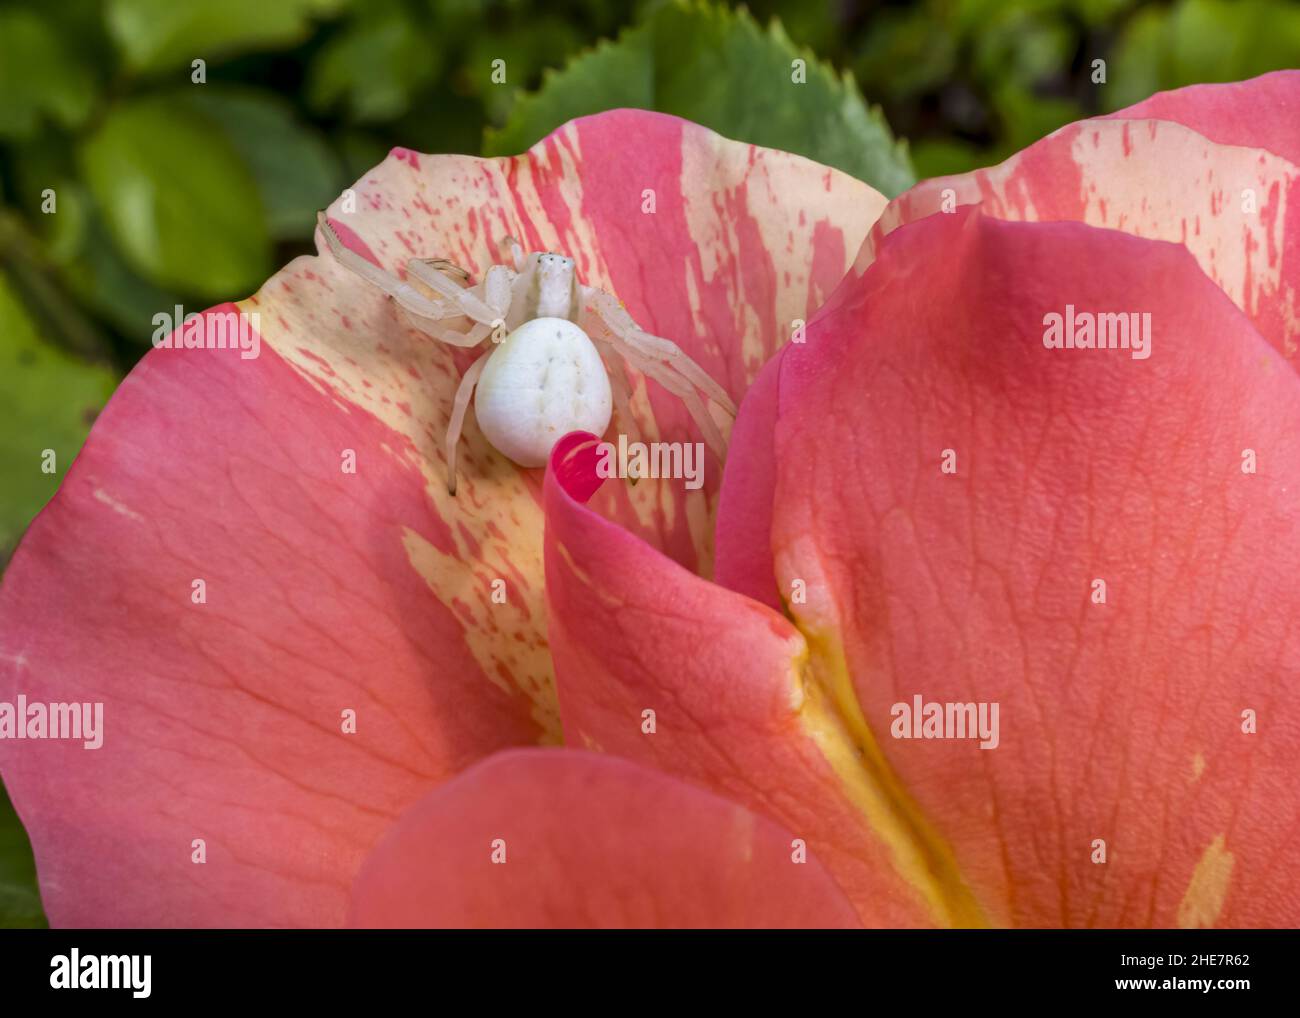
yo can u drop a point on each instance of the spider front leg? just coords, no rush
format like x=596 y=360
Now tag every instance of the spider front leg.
x=619 y=323
x=665 y=362
x=490 y=310
x=515 y=250
x=618 y=386
x=487 y=304
x=682 y=389
x=427 y=315
x=497 y=290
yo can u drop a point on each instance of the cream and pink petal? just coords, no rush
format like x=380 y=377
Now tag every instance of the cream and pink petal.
x=1226 y=186
x=1261 y=113
x=716 y=245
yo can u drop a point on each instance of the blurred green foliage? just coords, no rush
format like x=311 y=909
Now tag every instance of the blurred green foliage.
x=20 y=901
x=47 y=392
x=132 y=180
x=969 y=82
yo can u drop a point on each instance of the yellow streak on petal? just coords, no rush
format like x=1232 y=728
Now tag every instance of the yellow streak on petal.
x=700 y=514
x=489 y=629
x=667 y=489
x=1208 y=889
x=1198 y=766
x=407 y=380
x=833 y=720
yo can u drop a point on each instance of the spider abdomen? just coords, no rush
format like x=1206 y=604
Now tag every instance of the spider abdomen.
x=544 y=380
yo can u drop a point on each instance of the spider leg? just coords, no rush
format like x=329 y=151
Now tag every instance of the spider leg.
x=516 y=252
x=447 y=268
x=655 y=348
x=424 y=313
x=470 y=305
x=696 y=407
x=417 y=305
x=683 y=389
x=498 y=292
x=619 y=388
x=520 y=289
x=454 y=337
x=458 y=407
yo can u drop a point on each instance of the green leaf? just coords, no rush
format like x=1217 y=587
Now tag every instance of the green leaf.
x=361 y=153
x=158 y=34
x=613 y=75
x=718 y=68
x=38 y=271
x=1022 y=51
x=527 y=49
x=820 y=26
x=181 y=204
x=76 y=242
x=20 y=900
x=1099 y=12
x=48 y=400
x=20 y=897
x=295 y=170
x=39 y=76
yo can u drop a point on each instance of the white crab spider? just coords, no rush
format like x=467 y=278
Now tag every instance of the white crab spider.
x=531 y=311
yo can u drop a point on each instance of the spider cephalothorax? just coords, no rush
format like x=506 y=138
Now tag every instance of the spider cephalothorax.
x=557 y=354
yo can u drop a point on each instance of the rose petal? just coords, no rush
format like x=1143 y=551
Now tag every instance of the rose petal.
x=560 y=838
x=1119 y=723
x=1237 y=210
x=329 y=591
x=1262 y=113
x=743 y=541
x=223 y=720
x=727 y=679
